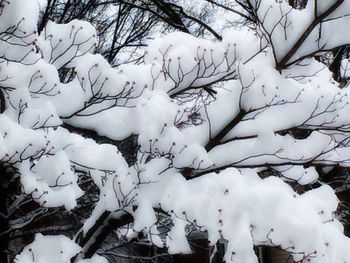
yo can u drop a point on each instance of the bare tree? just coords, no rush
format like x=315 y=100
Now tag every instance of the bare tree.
x=216 y=131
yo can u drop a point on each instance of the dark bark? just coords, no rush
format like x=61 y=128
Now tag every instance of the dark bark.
x=4 y=225
x=216 y=140
x=48 y=11
x=335 y=67
x=2 y=102
x=98 y=233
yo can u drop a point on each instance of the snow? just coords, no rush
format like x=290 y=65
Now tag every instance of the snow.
x=199 y=154
x=94 y=259
x=58 y=249
x=50 y=179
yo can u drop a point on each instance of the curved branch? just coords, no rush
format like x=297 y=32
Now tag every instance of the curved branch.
x=318 y=19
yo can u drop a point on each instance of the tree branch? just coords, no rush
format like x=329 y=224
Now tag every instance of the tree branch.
x=283 y=62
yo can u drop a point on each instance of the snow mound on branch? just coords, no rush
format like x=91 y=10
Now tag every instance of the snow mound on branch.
x=59 y=44
x=53 y=249
x=51 y=182
x=234 y=205
x=94 y=259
